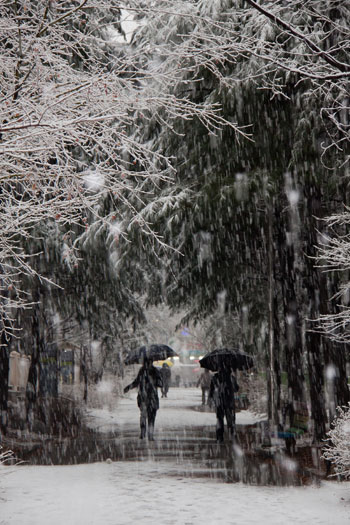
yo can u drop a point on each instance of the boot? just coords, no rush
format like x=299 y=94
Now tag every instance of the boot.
x=232 y=432
x=220 y=436
x=143 y=431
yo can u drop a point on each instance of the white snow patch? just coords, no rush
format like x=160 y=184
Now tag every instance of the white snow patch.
x=105 y=387
x=293 y=197
x=346 y=427
x=115 y=228
x=290 y=319
x=129 y=26
x=93 y=180
x=331 y=372
x=289 y=464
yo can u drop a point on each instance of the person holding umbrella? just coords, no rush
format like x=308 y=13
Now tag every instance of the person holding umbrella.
x=204 y=382
x=147 y=381
x=166 y=377
x=222 y=391
x=223 y=385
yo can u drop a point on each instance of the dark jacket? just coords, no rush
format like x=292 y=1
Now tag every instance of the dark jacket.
x=166 y=374
x=147 y=381
x=204 y=380
x=222 y=389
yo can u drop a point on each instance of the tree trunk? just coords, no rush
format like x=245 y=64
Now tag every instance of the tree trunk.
x=314 y=285
x=84 y=372
x=292 y=322
x=316 y=384
x=5 y=342
x=274 y=382
x=4 y=374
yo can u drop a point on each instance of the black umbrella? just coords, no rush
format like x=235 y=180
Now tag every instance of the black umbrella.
x=228 y=358
x=151 y=352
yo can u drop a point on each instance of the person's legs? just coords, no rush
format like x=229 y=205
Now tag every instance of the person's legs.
x=166 y=389
x=203 y=396
x=219 y=424
x=151 y=420
x=143 y=419
x=231 y=419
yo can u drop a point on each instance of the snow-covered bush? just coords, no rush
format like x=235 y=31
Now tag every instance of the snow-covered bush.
x=337 y=450
x=6 y=456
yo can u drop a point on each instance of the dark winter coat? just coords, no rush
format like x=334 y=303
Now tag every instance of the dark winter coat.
x=222 y=390
x=147 y=381
x=166 y=374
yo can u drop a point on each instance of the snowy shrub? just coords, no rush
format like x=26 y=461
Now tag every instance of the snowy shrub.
x=104 y=394
x=337 y=450
x=6 y=456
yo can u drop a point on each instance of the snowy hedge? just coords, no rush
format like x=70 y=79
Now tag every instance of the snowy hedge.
x=337 y=450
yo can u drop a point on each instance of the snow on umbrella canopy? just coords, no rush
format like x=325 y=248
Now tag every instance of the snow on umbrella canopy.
x=226 y=358
x=153 y=352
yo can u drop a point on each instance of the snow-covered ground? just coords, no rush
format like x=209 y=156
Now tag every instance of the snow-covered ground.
x=149 y=492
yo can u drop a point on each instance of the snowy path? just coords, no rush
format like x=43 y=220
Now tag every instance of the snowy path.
x=174 y=413
x=148 y=492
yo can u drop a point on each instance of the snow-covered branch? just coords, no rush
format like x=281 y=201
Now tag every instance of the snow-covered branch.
x=333 y=255
x=73 y=89
x=311 y=41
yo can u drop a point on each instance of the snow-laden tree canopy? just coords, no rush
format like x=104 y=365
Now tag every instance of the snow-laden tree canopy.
x=72 y=90
x=86 y=90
